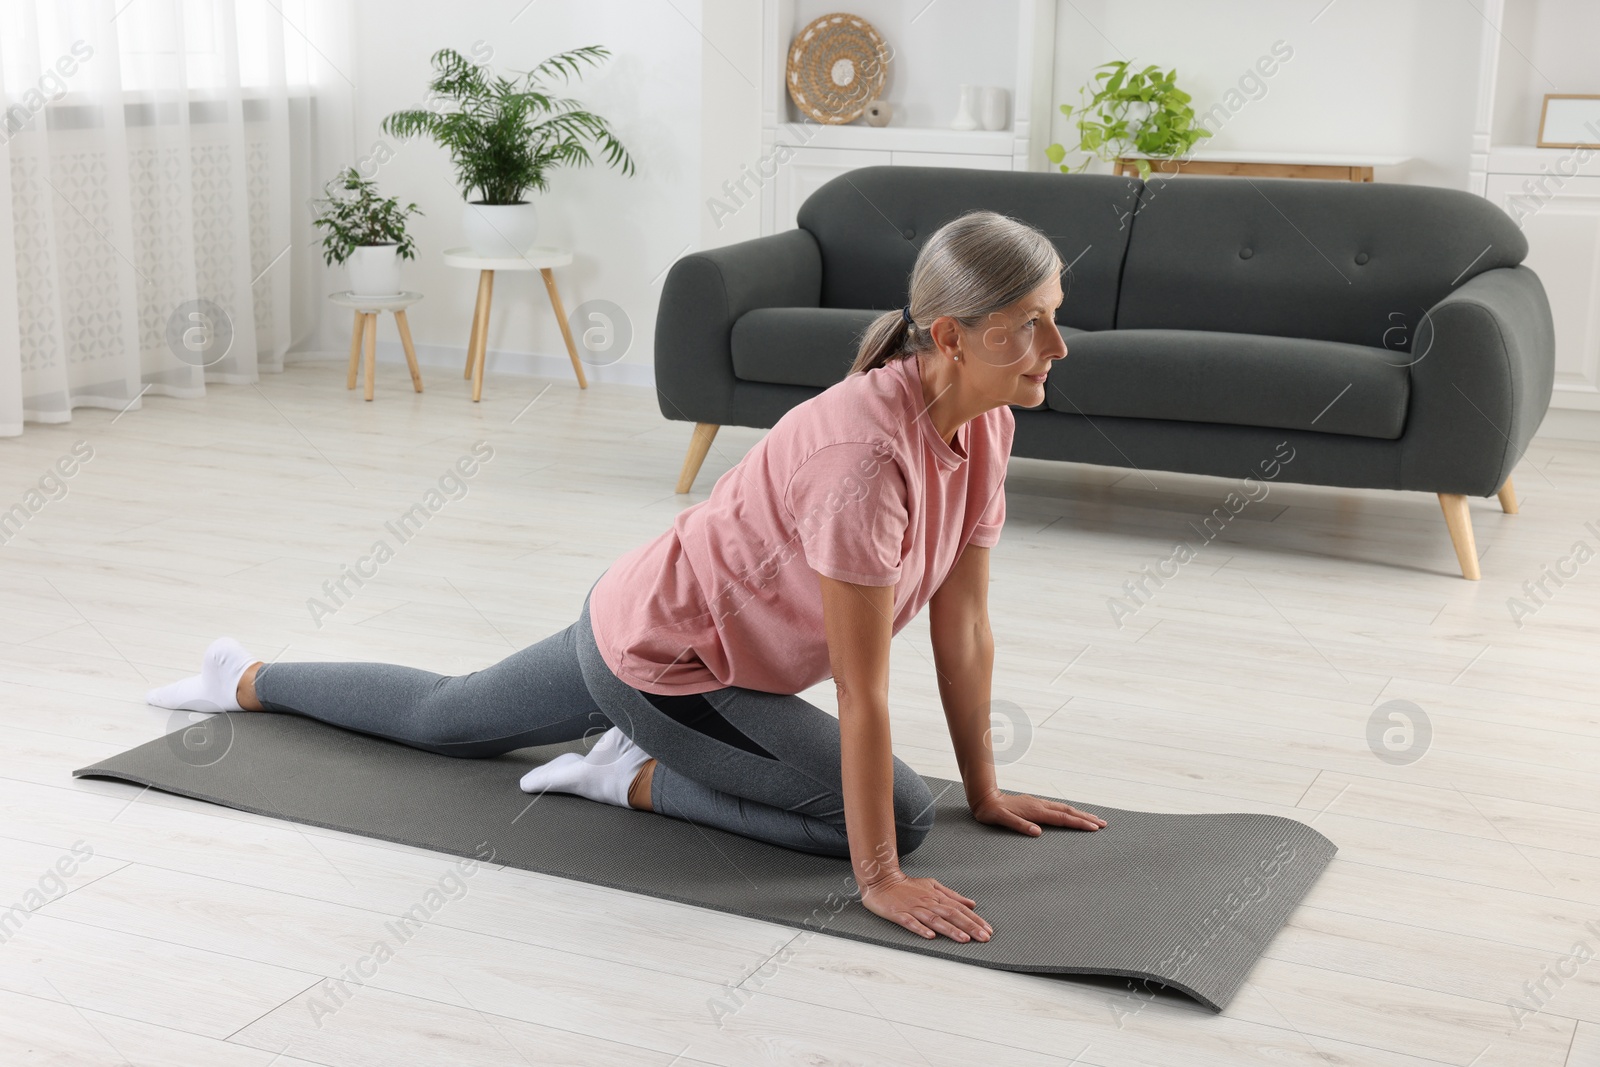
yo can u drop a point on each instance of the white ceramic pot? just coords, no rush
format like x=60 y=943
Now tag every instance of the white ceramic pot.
x=374 y=270
x=500 y=229
x=967 y=115
x=992 y=107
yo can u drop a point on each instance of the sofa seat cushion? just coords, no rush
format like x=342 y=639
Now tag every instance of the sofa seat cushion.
x=798 y=346
x=1236 y=379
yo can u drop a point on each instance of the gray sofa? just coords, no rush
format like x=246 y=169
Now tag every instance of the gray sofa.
x=1387 y=332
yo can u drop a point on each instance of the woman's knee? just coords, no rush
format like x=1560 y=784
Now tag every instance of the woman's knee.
x=907 y=836
x=914 y=808
x=830 y=839
x=908 y=839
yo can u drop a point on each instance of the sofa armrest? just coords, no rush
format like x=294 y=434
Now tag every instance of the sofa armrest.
x=704 y=295
x=1480 y=384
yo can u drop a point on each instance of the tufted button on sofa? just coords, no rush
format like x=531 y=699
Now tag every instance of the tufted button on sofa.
x=1387 y=333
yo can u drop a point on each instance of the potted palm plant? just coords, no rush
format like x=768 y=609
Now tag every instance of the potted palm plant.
x=364 y=231
x=504 y=136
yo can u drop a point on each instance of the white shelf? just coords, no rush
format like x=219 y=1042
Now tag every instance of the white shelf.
x=898 y=138
x=1530 y=159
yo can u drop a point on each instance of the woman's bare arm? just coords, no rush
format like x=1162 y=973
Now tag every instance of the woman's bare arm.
x=859 y=624
x=963 y=657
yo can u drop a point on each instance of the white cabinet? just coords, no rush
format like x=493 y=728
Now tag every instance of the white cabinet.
x=810 y=168
x=806 y=171
x=1527 y=47
x=1563 y=234
x=949 y=159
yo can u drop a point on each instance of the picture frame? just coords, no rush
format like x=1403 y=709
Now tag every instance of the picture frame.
x=1569 y=120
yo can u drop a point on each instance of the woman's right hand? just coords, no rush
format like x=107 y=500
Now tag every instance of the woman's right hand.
x=925 y=907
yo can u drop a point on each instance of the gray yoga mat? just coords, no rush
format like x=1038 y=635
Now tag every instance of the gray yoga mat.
x=1185 y=901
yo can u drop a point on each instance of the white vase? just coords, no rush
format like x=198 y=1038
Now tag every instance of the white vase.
x=503 y=230
x=967 y=115
x=374 y=270
x=992 y=107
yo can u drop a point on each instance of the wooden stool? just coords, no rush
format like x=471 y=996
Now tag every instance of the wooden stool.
x=540 y=259
x=366 y=327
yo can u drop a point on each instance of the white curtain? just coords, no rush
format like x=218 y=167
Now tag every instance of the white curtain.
x=149 y=152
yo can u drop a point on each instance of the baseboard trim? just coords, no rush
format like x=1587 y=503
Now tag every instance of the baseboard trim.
x=1565 y=424
x=498 y=361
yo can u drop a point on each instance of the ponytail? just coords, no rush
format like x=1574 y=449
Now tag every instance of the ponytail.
x=884 y=340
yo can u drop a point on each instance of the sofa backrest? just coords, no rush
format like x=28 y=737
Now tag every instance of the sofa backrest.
x=871 y=222
x=1331 y=261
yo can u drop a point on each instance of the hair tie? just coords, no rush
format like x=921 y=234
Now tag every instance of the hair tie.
x=905 y=313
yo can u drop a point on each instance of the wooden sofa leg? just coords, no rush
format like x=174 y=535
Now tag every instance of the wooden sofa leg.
x=1459 y=520
x=1508 y=498
x=699 y=445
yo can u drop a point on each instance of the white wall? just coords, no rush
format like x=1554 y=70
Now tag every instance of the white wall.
x=1367 y=76
x=681 y=89
x=625 y=231
x=730 y=80
x=1545 y=47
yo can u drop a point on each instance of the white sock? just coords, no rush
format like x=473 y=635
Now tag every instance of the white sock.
x=215 y=688
x=604 y=774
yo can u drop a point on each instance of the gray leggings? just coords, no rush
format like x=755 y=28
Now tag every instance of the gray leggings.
x=764 y=765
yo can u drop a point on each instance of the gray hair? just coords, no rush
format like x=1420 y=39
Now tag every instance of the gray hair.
x=971 y=267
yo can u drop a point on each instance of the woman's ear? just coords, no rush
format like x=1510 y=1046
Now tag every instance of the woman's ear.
x=946 y=334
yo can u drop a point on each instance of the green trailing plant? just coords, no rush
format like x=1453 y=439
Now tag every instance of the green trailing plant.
x=1131 y=111
x=352 y=214
x=505 y=135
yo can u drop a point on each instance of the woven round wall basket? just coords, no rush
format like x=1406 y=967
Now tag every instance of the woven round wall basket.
x=837 y=66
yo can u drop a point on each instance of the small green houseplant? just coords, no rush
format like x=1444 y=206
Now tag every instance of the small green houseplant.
x=364 y=231
x=505 y=135
x=1131 y=111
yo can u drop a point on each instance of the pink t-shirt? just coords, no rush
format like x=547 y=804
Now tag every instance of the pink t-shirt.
x=854 y=483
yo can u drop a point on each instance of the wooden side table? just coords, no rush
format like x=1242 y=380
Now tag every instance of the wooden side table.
x=1352 y=168
x=542 y=259
x=366 y=327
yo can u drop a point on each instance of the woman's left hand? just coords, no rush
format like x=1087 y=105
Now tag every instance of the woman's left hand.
x=1023 y=814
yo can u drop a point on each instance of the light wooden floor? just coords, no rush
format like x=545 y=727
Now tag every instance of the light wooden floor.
x=198 y=935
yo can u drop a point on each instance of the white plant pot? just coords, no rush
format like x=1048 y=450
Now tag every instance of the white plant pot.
x=374 y=270
x=992 y=107
x=506 y=230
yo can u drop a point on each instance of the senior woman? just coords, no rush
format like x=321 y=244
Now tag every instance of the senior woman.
x=876 y=497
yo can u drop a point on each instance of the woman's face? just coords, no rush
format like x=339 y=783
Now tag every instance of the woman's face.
x=1008 y=357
